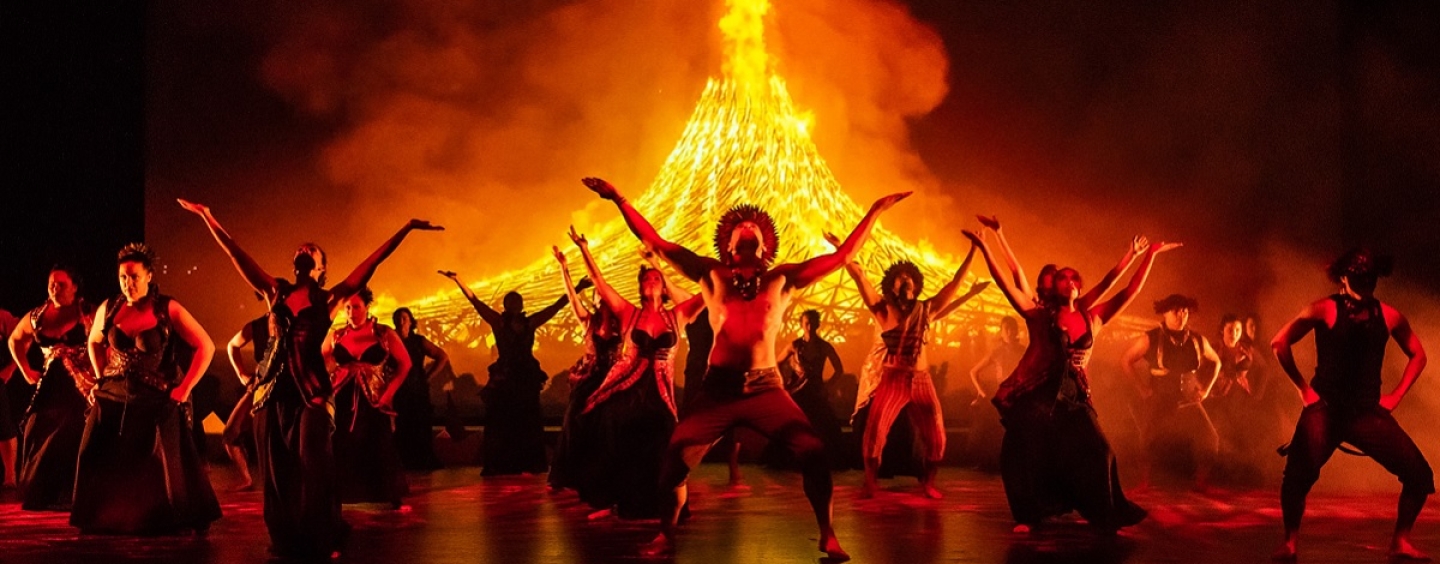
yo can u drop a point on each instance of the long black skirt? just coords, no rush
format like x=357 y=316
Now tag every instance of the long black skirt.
x=622 y=466
x=576 y=437
x=139 y=472
x=367 y=464
x=52 y=432
x=514 y=423
x=1055 y=459
x=302 y=504
x=414 y=426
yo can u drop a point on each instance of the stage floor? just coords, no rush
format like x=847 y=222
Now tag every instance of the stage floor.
x=454 y=516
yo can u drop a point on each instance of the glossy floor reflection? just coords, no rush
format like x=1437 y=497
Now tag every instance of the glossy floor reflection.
x=454 y=516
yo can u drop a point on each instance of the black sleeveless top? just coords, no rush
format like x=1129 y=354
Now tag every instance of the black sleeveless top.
x=1349 y=356
x=141 y=365
x=294 y=367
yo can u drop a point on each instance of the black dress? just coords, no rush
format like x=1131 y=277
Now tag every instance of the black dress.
x=138 y=470
x=55 y=421
x=414 y=414
x=367 y=463
x=514 y=425
x=632 y=414
x=576 y=438
x=293 y=425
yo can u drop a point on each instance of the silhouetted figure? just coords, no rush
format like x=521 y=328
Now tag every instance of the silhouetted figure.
x=138 y=471
x=1183 y=369
x=55 y=419
x=1343 y=402
x=803 y=362
x=984 y=441
x=293 y=394
x=414 y=414
x=514 y=424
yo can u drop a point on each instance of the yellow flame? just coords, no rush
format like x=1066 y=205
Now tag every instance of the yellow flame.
x=744 y=27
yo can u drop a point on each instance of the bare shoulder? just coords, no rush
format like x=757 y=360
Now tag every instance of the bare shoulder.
x=1393 y=317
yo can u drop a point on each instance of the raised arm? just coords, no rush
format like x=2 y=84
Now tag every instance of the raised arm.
x=806 y=273
x=488 y=314
x=232 y=351
x=1309 y=318
x=190 y=331
x=1020 y=301
x=677 y=294
x=1108 y=309
x=612 y=299
x=941 y=300
x=1022 y=283
x=254 y=275
x=692 y=266
x=359 y=277
x=1409 y=344
x=873 y=300
x=582 y=313
x=545 y=315
x=1137 y=246
x=19 y=342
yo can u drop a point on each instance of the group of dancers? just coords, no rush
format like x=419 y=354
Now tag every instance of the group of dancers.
x=108 y=432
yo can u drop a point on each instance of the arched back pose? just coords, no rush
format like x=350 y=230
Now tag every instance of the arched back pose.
x=414 y=430
x=371 y=365
x=514 y=426
x=293 y=395
x=138 y=471
x=633 y=409
x=746 y=298
x=903 y=376
x=56 y=418
x=1343 y=402
x=1054 y=457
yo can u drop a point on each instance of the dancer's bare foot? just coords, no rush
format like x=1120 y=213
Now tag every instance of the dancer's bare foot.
x=932 y=492
x=1286 y=551
x=1401 y=549
x=1021 y=529
x=661 y=545
x=830 y=545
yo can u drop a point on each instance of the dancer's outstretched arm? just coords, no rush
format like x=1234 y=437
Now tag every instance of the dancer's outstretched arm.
x=359 y=277
x=1137 y=246
x=250 y=270
x=487 y=313
x=612 y=299
x=691 y=265
x=545 y=315
x=806 y=273
x=1022 y=283
x=582 y=313
x=1019 y=300
x=1107 y=310
x=873 y=300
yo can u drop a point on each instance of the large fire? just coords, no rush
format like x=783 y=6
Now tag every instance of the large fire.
x=746 y=142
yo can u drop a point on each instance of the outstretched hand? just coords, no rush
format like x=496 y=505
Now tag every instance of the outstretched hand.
x=192 y=207
x=448 y=274
x=650 y=258
x=889 y=201
x=1162 y=246
x=1139 y=245
x=578 y=238
x=833 y=239
x=559 y=256
x=990 y=221
x=601 y=187
x=974 y=237
x=978 y=287
x=423 y=225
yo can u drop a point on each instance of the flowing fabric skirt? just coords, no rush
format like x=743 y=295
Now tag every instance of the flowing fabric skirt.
x=622 y=466
x=514 y=424
x=1055 y=459
x=52 y=433
x=297 y=460
x=414 y=425
x=367 y=464
x=576 y=438
x=139 y=471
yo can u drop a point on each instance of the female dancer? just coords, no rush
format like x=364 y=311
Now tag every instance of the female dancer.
x=239 y=435
x=514 y=425
x=1054 y=456
x=904 y=373
x=56 y=418
x=138 y=470
x=602 y=342
x=367 y=463
x=414 y=432
x=293 y=393
x=633 y=410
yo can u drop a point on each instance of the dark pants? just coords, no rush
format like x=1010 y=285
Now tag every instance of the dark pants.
x=772 y=413
x=1189 y=424
x=1373 y=430
x=302 y=502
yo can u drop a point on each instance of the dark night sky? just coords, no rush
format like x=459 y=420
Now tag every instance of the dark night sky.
x=1265 y=136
